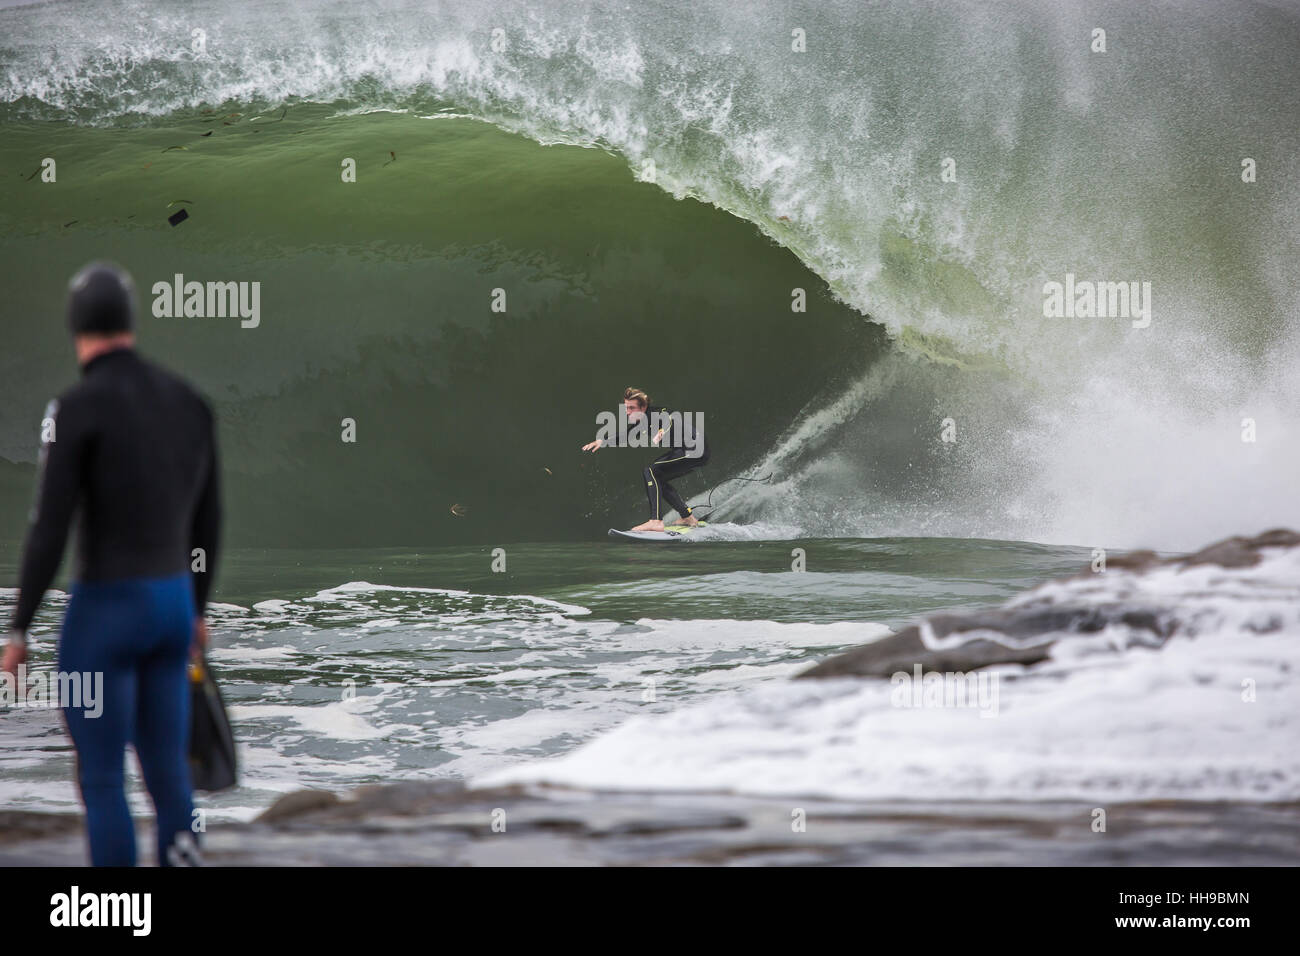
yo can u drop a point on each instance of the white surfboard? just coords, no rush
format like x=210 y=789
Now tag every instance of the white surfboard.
x=668 y=534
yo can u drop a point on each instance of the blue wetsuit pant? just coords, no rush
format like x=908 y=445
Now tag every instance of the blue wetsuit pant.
x=137 y=633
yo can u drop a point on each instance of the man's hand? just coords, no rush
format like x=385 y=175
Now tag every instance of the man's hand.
x=15 y=653
x=658 y=436
x=592 y=445
x=200 y=641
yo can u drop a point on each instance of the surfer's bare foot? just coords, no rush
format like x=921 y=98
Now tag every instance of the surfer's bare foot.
x=654 y=524
x=689 y=521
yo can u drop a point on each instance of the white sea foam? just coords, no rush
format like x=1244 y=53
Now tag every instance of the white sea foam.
x=1213 y=714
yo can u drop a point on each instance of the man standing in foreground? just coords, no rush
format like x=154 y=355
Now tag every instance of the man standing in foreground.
x=132 y=448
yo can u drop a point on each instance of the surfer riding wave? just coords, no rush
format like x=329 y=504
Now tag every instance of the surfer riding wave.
x=688 y=450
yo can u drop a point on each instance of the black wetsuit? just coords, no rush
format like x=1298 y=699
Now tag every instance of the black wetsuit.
x=134 y=448
x=679 y=435
x=133 y=451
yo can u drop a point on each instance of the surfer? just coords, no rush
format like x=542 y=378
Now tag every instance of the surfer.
x=674 y=463
x=130 y=451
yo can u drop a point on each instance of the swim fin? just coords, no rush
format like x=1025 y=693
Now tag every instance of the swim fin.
x=212 y=744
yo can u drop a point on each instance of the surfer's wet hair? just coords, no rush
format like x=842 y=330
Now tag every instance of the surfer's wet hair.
x=638 y=396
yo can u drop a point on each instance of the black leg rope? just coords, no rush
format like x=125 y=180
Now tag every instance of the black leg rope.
x=709 y=503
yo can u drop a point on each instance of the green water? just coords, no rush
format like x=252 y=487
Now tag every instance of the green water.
x=376 y=306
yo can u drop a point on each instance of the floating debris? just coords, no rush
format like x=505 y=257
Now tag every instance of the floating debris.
x=393 y=160
x=177 y=202
x=178 y=217
x=208 y=133
x=169 y=148
x=70 y=222
x=548 y=471
x=458 y=510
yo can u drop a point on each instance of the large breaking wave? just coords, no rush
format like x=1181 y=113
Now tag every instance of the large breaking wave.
x=1123 y=165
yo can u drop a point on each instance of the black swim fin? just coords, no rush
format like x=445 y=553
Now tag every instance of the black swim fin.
x=212 y=744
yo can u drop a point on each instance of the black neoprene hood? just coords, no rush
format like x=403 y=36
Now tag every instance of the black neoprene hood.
x=101 y=299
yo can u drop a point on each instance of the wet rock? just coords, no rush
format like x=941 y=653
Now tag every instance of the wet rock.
x=582 y=828
x=1133 y=561
x=899 y=652
x=1277 y=538
x=296 y=804
x=1239 y=552
x=17 y=825
x=1025 y=632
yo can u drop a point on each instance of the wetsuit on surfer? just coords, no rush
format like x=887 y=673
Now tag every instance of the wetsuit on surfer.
x=130 y=454
x=688 y=450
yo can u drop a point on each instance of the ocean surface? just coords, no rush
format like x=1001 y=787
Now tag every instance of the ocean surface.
x=457 y=670
x=648 y=189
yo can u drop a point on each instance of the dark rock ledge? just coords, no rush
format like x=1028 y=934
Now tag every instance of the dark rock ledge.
x=1028 y=630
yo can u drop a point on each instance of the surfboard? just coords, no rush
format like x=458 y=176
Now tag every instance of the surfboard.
x=668 y=534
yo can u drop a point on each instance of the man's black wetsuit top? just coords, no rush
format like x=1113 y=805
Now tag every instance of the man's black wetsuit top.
x=675 y=437
x=134 y=449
